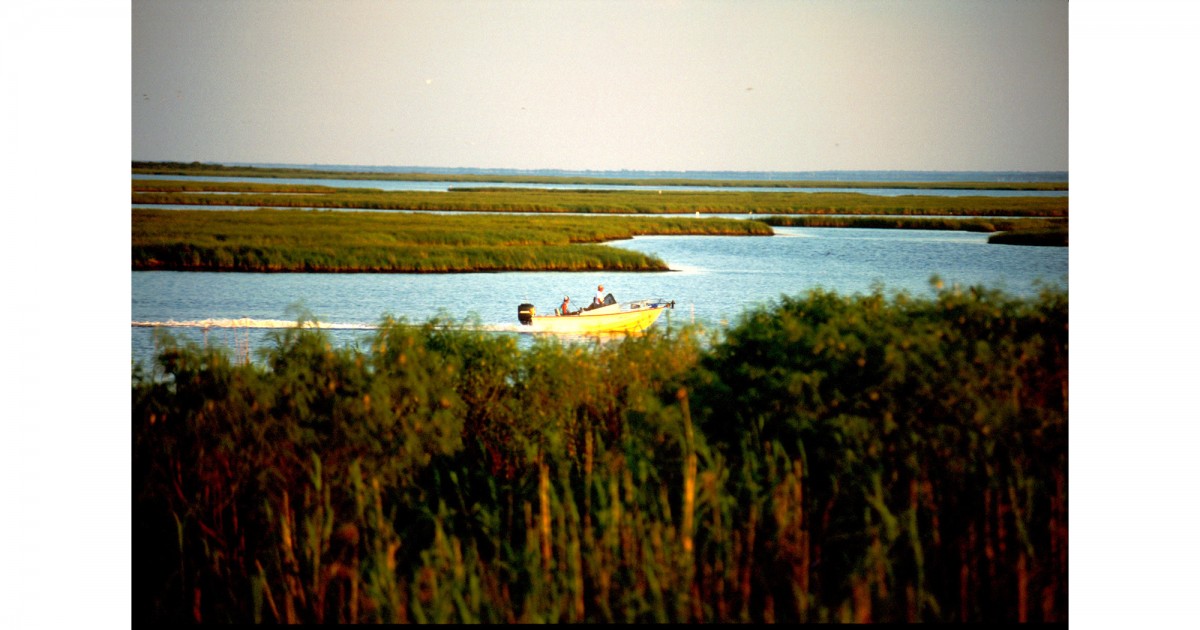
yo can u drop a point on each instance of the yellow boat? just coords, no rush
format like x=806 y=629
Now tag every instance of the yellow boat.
x=611 y=317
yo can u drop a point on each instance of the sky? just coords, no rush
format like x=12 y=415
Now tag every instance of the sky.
x=646 y=85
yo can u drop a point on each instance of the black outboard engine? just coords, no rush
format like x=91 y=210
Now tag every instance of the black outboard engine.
x=525 y=313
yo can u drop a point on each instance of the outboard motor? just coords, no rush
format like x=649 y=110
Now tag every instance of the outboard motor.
x=525 y=313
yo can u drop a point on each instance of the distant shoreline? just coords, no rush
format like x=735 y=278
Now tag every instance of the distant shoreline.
x=916 y=180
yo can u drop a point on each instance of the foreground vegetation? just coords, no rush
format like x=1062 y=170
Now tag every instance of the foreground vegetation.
x=219 y=170
x=282 y=240
x=590 y=201
x=828 y=458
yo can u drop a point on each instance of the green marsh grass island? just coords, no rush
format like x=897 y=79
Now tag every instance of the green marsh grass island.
x=824 y=459
x=1029 y=220
x=304 y=241
x=589 y=201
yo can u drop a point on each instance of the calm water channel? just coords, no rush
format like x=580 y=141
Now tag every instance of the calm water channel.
x=715 y=279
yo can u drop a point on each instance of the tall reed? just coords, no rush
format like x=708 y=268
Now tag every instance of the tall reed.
x=826 y=458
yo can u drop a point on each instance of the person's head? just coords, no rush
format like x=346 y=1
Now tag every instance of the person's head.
x=600 y=288
x=566 y=298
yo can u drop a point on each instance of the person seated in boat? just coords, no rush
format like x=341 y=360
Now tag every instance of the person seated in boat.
x=566 y=305
x=599 y=299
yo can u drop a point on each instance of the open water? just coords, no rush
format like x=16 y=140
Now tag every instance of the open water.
x=714 y=280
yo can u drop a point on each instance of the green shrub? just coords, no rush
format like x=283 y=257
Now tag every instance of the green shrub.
x=826 y=458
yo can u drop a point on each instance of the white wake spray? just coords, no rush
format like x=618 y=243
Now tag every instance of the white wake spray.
x=247 y=322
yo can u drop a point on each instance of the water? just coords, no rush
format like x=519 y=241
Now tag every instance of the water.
x=714 y=279
x=444 y=186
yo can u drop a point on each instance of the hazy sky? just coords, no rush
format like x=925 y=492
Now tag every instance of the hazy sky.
x=661 y=85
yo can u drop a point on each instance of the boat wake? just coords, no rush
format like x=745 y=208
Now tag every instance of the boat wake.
x=247 y=322
x=500 y=328
x=781 y=233
x=688 y=270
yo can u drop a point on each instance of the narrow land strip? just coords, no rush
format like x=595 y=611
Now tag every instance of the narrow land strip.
x=162 y=192
x=220 y=170
x=343 y=242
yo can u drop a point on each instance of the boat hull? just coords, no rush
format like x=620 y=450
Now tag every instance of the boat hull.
x=622 y=321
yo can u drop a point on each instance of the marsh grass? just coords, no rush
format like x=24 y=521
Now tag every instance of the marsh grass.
x=280 y=240
x=828 y=458
x=595 y=201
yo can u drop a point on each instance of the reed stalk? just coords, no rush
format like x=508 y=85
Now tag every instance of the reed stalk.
x=826 y=458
